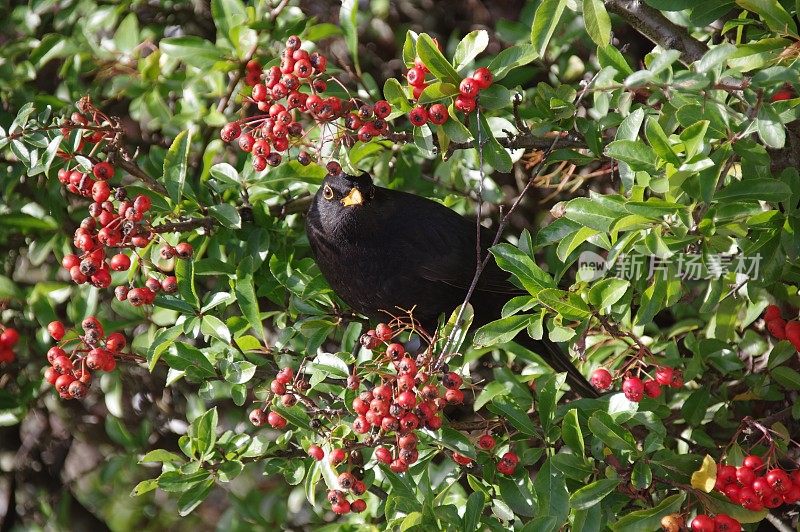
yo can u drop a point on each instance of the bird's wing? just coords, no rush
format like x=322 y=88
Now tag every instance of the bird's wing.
x=442 y=244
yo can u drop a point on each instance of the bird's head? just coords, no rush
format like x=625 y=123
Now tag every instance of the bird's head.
x=346 y=191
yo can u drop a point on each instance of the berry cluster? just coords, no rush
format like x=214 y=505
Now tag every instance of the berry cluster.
x=718 y=523
x=8 y=339
x=72 y=360
x=780 y=328
x=437 y=114
x=755 y=487
x=114 y=222
x=634 y=387
x=406 y=395
x=298 y=86
x=282 y=386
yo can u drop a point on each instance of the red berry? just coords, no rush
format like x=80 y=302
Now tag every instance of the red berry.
x=100 y=191
x=437 y=114
x=415 y=76
x=142 y=203
x=258 y=417
x=745 y=475
x=358 y=505
x=337 y=456
x=782 y=94
x=664 y=375
x=103 y=171
x=461 y=459
x=275 y=420
x=69 y=261
x=702 y=523
x=772 y=312
x=383 y=455
x=115 y=342
x=341 y=508
x=792 y=331
x=169 y=284
x=418 y=116
x=120 y=262
x=452 y=380
x=601 y=379
x=382 y=108
x=56 y=330
x=121 y=293
x=652 y=389
x=398 y=466
x=633 y=388
x=316 y=452
x=77 y=389
x=63 y=382
x=483 y=77
x=468 y=88
x=455 y=397
x=486 y=442
x=772 y=499
x=285 y=375
x=51 y=375
x=395 y=351
x=777 y=328
x=184 y=250
x=465 y=104
x=779 y=480
x=753 y=461
x=231 y=131
x=383 y=332
x=749 y=499
x=726 y=523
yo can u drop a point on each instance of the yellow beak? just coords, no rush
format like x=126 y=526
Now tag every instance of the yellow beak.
x=353 y=198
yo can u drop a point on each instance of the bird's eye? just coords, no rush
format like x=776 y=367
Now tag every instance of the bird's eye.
x=327 y=193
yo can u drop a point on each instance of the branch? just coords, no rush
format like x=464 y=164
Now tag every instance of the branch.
x=526 y=141
x=133 y=169
x=282 y=210
x=659 y=29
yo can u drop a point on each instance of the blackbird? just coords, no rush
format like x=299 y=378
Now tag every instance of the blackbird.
x=382 y=250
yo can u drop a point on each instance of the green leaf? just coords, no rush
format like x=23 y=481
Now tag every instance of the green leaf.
x=638 y=155
x=469 y=47
x=695 y=406
x=191 y=498
x=455 y=441
x=160 y=455
x=650 y=518
x=435 y=61
x=228 y=14
x=213 y=326
x=658 y=140
x=598 y=23
x=521 y=265
x=568 y=304
x=512 y=58
x=610 y=56
x=176 y=164
x=177 y=481
x=437 y=91
x=192 y=50
x=610 y=432
x=552 y=496
x=246 y=298
x=773 y=13
x=203 y=431
x=515 y=413
x=348 y=16
x=227 y=215
x=571 y=432
x=606 y=292
x=144 y=486
x=770 y=190
x=184 y=271
x=592 y=494
x=769 y=126
x=396 y=95
x=473 y=510
x=501 y=331
x=494 y=154
x=590 y=213
x=126 y=38
x=716 y=56
x=787 y=377
x=547 y=388
x=490 y=391
x=239 y=372
x=545 y=20
x=184 y=357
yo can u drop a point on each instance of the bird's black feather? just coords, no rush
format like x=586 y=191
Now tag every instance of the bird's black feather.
x=397 y=250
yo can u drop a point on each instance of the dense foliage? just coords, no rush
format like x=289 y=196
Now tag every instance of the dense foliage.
x=171 y=356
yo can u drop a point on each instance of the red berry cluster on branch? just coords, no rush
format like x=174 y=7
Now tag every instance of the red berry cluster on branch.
x=297 y=87
x=437 y=114
x=73 y=358
x=634 y=387
x=282 y=386
x=755 y=487
x=780 y=328
x=718 y=523
x=8 y=339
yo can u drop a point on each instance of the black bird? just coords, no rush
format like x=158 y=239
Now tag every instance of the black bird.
x=382 y=249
